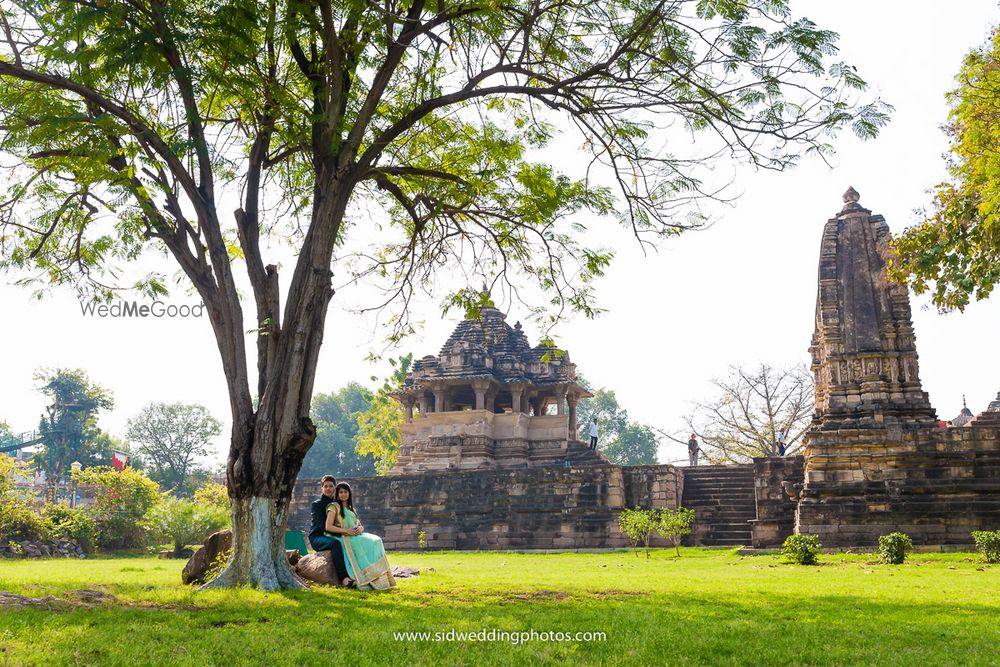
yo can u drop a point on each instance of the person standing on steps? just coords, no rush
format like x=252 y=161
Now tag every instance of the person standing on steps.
x=781 y=443
x=693 y=450
x=593 y=434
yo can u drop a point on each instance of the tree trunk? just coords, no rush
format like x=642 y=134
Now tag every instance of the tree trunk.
x=270 y=443
x=258 y=557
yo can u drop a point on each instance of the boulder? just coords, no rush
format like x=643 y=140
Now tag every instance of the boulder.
x=317 y=568
x=195 y=569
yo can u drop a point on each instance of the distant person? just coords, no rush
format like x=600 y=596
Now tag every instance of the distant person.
x=317 y=539
x=693 y=450
x=593 y=433
x=781 y=443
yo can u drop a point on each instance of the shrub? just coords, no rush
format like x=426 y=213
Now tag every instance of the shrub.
x=184 y=522
x=674 y=524
x=802 y=549
x=892 y=548
x=637 y=525
x=72 y=523
x=213 y=494
x=988 y=543
x=18 y=521
x=123 y=498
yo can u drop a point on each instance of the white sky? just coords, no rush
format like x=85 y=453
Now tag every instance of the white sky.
x=741 y=292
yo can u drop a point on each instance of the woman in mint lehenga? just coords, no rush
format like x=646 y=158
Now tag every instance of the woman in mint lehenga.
x=364 y=553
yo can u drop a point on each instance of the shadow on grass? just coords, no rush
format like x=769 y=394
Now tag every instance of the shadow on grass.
x=309 y=627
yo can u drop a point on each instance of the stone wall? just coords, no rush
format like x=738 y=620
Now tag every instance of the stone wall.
x=527 y=508
x=777 y=484
x=935 y=485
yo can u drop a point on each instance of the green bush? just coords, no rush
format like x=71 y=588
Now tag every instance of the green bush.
x=988 y=543
x=892 y=548
x=18 y=520
x=72 y=523
x=123 y=499
x=213 y=494
x=802 y=549
x=184 y=522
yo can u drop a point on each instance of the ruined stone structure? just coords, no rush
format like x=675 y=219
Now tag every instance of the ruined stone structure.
x=874 y=460
x=552 y=507
x=864 y=354
x=490 y=460
x=490 y=400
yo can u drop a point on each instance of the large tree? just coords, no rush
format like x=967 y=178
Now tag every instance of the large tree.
x=748 y=410
x=68 y=428
x=621 y=440
x=335 y=450
x=171 y=439
x=136 y=123
x=955 y=252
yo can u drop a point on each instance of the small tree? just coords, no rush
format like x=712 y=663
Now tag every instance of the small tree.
x=379 y=426
x=185 y=522
x=673 y=525
x=638 y=525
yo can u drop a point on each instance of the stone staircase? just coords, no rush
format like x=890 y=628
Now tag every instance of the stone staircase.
x=722 y=497
x=580 y=454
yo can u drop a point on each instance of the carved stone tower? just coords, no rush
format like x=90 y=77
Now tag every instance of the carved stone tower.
x=864 y=355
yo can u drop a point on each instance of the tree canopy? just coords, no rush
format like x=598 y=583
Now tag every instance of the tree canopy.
x=955 y=252
x=172 y=439
x=749 y=409
x=419 y=125
x=335 y=450
x=621 y=440
x=69 y=426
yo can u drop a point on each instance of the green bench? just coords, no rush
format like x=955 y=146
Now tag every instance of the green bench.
x=294 y=539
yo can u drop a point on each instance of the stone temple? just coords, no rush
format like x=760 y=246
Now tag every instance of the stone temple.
x=491 y=400
x=490 y=457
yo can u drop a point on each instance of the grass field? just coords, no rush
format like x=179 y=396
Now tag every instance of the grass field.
x=707 y=607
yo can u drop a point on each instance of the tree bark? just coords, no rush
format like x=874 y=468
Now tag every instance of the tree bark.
x=269 y=444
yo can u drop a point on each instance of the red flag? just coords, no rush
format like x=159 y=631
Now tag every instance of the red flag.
x=119 y=460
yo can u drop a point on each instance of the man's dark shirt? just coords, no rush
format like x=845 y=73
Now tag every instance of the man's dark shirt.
x=319 y=516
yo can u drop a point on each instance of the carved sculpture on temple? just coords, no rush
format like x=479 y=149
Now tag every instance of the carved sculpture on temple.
x=864 y=356
x=491 y=400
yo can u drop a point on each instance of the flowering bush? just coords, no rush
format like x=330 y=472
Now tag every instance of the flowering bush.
x=123 y=498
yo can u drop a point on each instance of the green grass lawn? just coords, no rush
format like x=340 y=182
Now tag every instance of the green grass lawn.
x=707 y=607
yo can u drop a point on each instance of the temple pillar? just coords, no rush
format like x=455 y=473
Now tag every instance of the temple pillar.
x=573 y=399
x=408 y=405
x=423 y=405
x=561 y=401
x=515 y=398
x=440 y=400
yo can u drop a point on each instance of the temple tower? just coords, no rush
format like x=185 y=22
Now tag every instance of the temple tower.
x=864 y=356
x=491 y=400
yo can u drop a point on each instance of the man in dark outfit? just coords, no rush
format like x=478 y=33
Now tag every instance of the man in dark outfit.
x=317 y=539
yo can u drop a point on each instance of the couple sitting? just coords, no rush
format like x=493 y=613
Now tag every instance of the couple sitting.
x=358 y=557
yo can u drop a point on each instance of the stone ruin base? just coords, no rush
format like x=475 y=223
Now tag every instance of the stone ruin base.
x=937 y=485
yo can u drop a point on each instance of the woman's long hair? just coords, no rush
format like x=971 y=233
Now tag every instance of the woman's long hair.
x=350 y=498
